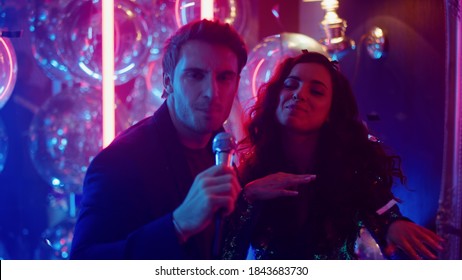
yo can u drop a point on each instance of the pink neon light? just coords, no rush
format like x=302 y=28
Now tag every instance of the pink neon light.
x=108 y=72
x=177 y=13
x=458 y=101
x=10 y=62
x=207 y=9
x=254 y=77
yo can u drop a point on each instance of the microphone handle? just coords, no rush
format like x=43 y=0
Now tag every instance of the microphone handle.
x=221 y=158
x=224 y=158
x=218 y=237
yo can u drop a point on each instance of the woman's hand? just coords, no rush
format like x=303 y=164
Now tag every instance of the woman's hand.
x=414 y=240
x=275 y=185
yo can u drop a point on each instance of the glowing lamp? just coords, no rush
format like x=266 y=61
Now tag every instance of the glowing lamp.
x=337 y=43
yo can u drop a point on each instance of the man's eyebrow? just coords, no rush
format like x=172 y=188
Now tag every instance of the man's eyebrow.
x=200 y=70
x=204 y=70
x=194 y=69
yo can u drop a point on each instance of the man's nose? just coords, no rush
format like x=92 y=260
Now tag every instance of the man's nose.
x=212 y=88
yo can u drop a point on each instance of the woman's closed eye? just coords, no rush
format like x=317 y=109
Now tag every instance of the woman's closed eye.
x=318 y=88
x=317 y=92
x=291 y=84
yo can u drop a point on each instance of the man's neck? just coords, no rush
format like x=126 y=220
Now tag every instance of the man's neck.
x=196 y=141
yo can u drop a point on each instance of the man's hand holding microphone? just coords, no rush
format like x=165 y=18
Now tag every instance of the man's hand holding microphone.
x=212 y=195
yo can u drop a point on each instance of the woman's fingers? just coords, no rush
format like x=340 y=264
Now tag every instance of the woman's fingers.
x=276 y=185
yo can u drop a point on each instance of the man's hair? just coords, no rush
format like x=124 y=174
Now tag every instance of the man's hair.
x=213 y=32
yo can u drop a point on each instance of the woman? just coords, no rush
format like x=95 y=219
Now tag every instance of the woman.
x=306 y=121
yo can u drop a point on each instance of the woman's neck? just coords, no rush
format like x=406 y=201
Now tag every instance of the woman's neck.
x=300 y=150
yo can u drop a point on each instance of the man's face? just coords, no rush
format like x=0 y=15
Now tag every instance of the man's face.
x=202 y=90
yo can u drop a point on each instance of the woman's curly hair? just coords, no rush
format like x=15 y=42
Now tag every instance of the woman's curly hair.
x=352 y=171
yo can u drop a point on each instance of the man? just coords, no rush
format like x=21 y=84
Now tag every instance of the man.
x=155 y=191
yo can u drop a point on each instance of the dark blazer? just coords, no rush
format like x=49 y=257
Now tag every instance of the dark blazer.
x=130 y=191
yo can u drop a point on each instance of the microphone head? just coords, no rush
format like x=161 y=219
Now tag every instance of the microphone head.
x=223 y=142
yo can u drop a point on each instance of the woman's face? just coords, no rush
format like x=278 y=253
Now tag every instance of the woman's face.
x=306 y=98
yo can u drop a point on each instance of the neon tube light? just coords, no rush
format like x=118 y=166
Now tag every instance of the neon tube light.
x=207 y=9
x=108 y=72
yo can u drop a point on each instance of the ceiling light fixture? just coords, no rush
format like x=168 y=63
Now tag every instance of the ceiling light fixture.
x=336 y=42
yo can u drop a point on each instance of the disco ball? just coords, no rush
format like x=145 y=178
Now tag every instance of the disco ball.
x=80 y=41
x=161 y=13
x=264 y=58
x=235 y=122
x=154 y=79
x=163 y=18
x=8 y=70
x=146 y=96
x=234 y=12
x=44 y=26
x=62 y=206
x=3 y=145
x=366 y=248
x=57 y=241
x=66 y=134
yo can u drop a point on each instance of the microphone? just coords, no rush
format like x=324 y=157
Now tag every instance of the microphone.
x=223 y=146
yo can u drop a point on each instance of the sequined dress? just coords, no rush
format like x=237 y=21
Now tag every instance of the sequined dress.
x=303 y=228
